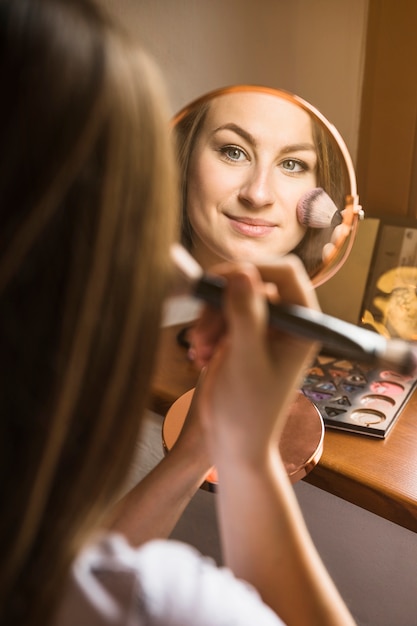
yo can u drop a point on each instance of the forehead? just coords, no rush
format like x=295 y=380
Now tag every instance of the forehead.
x=264 y=116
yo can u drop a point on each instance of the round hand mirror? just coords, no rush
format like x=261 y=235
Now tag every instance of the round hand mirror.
x=264 y=174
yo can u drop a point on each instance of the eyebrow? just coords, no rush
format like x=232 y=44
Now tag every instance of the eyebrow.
x=299 y=147
x=287 y=149
x=238 y=130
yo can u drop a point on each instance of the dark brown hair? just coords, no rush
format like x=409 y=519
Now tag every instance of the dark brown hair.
x=88 y=202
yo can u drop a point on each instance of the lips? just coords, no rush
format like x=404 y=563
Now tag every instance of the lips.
x=251 y=226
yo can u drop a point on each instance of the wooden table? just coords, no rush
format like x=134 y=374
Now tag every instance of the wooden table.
x=377 y=475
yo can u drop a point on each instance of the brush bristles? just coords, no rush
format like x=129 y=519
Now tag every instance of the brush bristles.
x=316 y=209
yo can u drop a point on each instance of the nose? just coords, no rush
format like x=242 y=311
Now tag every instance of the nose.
x=257 y=189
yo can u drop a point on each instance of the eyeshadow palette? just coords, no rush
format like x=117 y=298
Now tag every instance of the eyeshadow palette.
x=355 y=397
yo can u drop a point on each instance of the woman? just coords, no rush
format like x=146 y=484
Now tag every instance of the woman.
x=247 y=156
x=86 y=180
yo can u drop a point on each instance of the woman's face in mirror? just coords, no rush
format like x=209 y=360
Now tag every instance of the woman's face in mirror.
x=252 y=160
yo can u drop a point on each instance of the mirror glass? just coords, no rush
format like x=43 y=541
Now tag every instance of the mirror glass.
x=263 y=174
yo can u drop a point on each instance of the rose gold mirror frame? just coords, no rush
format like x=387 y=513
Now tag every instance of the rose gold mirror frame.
x=352 y=212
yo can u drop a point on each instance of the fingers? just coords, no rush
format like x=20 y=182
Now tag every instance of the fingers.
x=244 y=312
x=291 y=280
x=245 y=302
x=339 y=235
x=251 y=369
x=206 y=335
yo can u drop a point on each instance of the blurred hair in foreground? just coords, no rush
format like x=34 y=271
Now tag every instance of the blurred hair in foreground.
x=85 y=227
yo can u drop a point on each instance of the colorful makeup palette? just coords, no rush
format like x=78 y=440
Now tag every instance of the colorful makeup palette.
x=356 y=397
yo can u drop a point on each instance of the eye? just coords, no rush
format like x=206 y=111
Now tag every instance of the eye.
x=233 y=153
x=294 y=166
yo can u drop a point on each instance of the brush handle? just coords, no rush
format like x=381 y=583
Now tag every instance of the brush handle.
x=338 y=338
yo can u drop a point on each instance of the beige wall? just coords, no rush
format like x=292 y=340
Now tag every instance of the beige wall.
x=313 y=48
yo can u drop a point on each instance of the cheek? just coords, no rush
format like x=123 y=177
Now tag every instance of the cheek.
x=296 y=236
x=290 y=195
x=207 y=188
x=294 y=231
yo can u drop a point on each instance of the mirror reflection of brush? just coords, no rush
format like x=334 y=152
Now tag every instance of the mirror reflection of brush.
x=315 y=209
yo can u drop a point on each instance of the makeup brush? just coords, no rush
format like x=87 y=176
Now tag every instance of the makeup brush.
x=338 y=338
x=315 y=209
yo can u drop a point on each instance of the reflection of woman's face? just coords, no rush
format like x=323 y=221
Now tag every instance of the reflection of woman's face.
x=252 y=161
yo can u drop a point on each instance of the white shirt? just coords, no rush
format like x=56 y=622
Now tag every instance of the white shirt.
x=163 y=583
